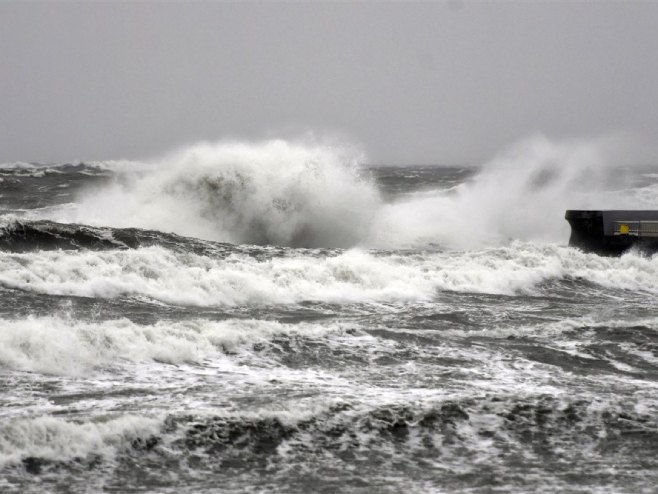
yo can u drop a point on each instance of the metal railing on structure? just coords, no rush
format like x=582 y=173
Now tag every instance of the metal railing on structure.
x=636 y=228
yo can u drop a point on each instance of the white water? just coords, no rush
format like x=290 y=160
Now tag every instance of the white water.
x=273 y=192
x=313 y=195
x=60 y=440
x=59 y=345
x=80 y=387
x=352 y=276
x=521 y=194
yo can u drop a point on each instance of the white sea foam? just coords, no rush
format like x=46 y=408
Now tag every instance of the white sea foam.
x=20 y=165
x=313 y=195
x=521 y=194
x=273 y=192
x=62 y=346
x=110 y=165
x=353 y=276
x=57 y=439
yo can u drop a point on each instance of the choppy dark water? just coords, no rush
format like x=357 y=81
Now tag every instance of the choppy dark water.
x=133 y=359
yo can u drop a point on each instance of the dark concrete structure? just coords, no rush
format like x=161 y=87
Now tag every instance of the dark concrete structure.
x=613 y=232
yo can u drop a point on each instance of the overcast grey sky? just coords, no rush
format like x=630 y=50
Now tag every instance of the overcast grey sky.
x=412 y=83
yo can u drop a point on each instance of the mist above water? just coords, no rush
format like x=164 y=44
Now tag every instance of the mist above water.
x=318 y=195
x=521 y=194
x=272 y=192
x=138 y=359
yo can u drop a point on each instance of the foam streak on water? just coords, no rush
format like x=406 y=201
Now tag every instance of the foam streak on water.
x=239 y=317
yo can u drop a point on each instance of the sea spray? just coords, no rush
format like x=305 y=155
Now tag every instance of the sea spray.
x=319 y=195
x=521 y=194
x=138 y=360
x=272 y=192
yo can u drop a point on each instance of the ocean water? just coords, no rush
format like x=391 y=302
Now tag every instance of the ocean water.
x=277 y=317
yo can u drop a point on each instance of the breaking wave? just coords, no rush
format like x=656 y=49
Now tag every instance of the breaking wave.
x=312 y=195
x=52 y=439
x=56 y=345
x=237 y=278
x=520 y=194
x=273 y=192
x=134 y=358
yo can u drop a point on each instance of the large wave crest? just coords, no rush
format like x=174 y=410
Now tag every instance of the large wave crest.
x=316 y=195
x=273 y=192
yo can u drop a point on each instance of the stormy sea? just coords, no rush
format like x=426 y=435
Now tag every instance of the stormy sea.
x=279 y=316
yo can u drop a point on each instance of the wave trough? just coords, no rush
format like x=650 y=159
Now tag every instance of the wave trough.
x=397 y=329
